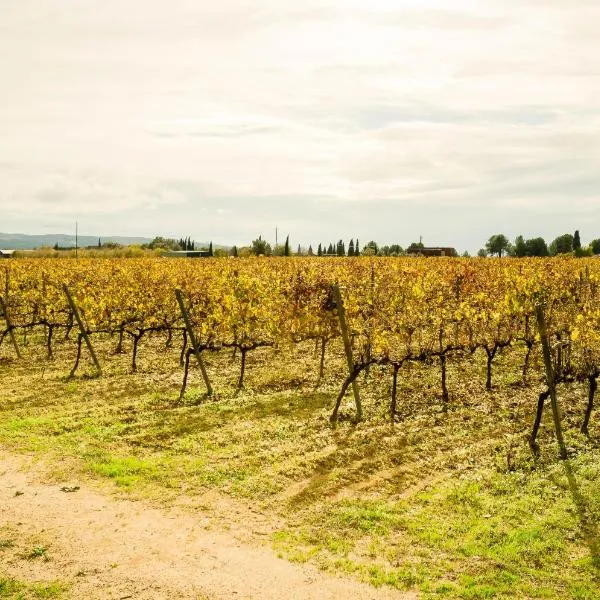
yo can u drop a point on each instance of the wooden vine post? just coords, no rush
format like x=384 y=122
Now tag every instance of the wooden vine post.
x=9 y=326
x=192 y=338
x=82 y=329
x=341 y=311
x=541 y=321
x=11 y=333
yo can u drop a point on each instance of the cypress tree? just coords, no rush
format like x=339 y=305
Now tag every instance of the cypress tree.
x=356 y=249
x=310 y=250
x=286 y=248
x=234 y=251
x=351 y=248
x=319 y=250
x=210 y=249
x=576 y=241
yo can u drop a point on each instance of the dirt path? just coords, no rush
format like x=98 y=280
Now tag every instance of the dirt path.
x=112 y=548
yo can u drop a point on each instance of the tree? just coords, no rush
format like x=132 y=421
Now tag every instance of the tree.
x=261 y=247
x=415 y=248
x=520 y=249
x=99 y=243
x=482 y=253
x=466 y=254
x=162 y=243
x=310 y=251
x=319 y=251
x=371 y=249
x=595 y=246
x=351 y=248
x=392 y=250
x=299 y=251
x=340 y=249
x=497 y=244
x=584 y=252
x=356 y=248
x=536 y=247
x=576 y=241
x=234 y=252
x=210 y=250
x=563 y=244
x=286 y=247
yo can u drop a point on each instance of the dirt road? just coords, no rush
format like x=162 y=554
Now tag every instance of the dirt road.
x=112 y=548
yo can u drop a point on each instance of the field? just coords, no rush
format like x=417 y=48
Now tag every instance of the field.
x=440 y=492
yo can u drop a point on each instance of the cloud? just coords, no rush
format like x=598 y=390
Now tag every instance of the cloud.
x=242 y=115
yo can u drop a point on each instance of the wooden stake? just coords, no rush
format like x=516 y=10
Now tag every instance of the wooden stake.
x=13 y=338
x=82 y=328
x=539 y=313
x=192 y=337
x=347 y=346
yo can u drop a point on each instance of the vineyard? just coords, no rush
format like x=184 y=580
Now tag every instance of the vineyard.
x=391 y=312
x=381 y=418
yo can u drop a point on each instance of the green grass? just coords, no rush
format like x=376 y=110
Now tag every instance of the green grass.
x=447 y=501
x=19 y=590
x=37 y=552
x=487 y=535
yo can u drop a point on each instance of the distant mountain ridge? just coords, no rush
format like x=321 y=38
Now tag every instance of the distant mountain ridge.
x=21 y=241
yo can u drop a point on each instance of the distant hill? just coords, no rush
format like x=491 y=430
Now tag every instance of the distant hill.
x=20 y=241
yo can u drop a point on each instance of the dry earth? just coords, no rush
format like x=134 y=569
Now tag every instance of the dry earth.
x=106 y=547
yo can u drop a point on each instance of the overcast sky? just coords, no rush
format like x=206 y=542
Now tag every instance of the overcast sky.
x=382 y=119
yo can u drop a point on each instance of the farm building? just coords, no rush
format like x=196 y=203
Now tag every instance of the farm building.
x=186 y=253
x=439 y=252
x=6 y=253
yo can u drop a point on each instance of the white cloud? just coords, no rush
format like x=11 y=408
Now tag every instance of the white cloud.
x=104 y=106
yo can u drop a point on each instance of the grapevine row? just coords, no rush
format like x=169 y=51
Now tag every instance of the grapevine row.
x=398 y=310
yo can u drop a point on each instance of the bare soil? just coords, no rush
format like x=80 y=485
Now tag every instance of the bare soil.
x=107 y=547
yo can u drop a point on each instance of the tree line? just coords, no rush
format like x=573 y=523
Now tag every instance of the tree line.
x=499 y=245
x=260 y=247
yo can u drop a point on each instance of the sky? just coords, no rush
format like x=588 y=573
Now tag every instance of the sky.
x=385 y=120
